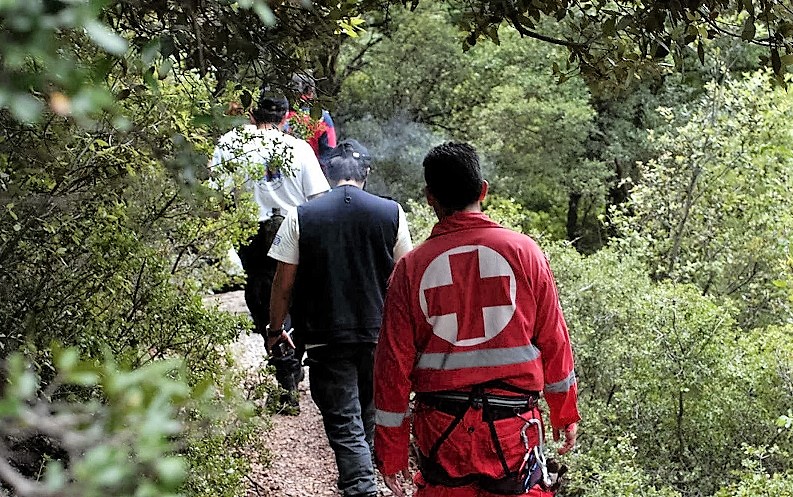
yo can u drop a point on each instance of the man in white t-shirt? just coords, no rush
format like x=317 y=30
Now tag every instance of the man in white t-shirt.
x=281 y=172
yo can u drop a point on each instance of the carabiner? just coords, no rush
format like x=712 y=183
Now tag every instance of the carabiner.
x=538 y=450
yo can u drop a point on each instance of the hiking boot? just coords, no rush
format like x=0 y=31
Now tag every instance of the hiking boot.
x=289 y=403
x=300 y=375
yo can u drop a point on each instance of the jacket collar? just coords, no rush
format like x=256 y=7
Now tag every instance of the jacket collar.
x=462 y=221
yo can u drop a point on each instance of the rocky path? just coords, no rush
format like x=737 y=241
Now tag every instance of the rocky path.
x=301 y=462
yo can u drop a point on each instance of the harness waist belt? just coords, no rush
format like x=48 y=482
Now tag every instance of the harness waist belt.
x=493 y=400
x=499 y=406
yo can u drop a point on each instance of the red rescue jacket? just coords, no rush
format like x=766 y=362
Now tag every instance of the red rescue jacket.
x=474 y=303
x=321 y=135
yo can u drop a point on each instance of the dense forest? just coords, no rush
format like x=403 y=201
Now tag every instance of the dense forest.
x=645 y=145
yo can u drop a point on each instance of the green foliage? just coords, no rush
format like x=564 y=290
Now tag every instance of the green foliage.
x=504 y=211
x=108 y=238
x=423 y=45
x=511 y=214
x=532 y=129
x=41 y=48
x=755 y=481
x=608 y=42
x=669 y=367
x=530 y=132
x=127 y=444
x=109 y=232
x=671 y=388
x=397 y=147
x=711 y=207
x=421 y=219
x=224 y=437
x=612 y=471
x=60 y=55
x=614 y=43
x=102 y=246
x=761 y=485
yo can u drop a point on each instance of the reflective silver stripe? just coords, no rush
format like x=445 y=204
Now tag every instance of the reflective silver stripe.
x=478 y=358
x=389 y=419
x=561 y=386
x=493 y=400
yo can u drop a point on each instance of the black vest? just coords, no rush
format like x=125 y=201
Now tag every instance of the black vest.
x=347 y=239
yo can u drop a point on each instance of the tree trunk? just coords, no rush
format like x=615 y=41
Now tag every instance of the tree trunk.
x=572 y=217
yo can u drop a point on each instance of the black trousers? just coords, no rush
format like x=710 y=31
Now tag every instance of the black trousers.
x=341 y=378
x=260 y=271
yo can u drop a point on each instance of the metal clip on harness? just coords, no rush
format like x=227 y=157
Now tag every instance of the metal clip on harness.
x=538 y=451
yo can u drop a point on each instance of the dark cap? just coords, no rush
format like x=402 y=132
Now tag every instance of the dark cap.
x=272 y=103
x=349 y=160
x=350 y=149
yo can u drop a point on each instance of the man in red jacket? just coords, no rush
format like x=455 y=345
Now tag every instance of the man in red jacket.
x=321 y=134
x=472 y=324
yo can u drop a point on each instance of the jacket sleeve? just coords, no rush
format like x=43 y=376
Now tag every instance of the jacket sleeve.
x=394 y=360
x=553 y=340
x=328 y=138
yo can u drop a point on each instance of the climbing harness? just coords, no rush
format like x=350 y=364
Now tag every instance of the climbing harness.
x=533 y=469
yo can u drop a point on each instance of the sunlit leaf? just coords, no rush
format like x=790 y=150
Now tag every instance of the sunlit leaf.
x=105 y=37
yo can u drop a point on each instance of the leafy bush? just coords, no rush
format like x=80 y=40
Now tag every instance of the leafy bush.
x=504 y=211
x=612 y=471
x=712 y=207
x=108 y=239
x=668 y=366
x=128 y=441
x=755 y=481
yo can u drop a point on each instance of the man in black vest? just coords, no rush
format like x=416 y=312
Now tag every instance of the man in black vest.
x=335 y=256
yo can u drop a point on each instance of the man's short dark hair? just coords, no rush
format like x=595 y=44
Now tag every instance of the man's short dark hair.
x=349 y=160
x=270 y=109
x=453 y=175
x=341 y=168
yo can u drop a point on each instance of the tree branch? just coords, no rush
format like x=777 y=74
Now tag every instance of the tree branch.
x=524 y=31
x=356 y=62
x=21 y=485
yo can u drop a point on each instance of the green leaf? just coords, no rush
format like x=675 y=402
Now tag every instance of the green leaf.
x=786 y=60
x=776 y=63
x=748 y=29
x=264 y=12
x=84 y=378
x=10 y=209
x=164 y=69
x=54 y=477
x=624 y=22
x=25 y=107
x=105 y=38
x=147 y=489
x=609 y=27
x=9 y=407
x=24 y=386
x=171 y=470
x=65 y=359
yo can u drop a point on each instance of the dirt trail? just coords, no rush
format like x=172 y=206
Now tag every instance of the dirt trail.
x=302 y=463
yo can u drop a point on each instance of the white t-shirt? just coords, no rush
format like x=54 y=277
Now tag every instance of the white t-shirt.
x=281 y=170
x=286 y=246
